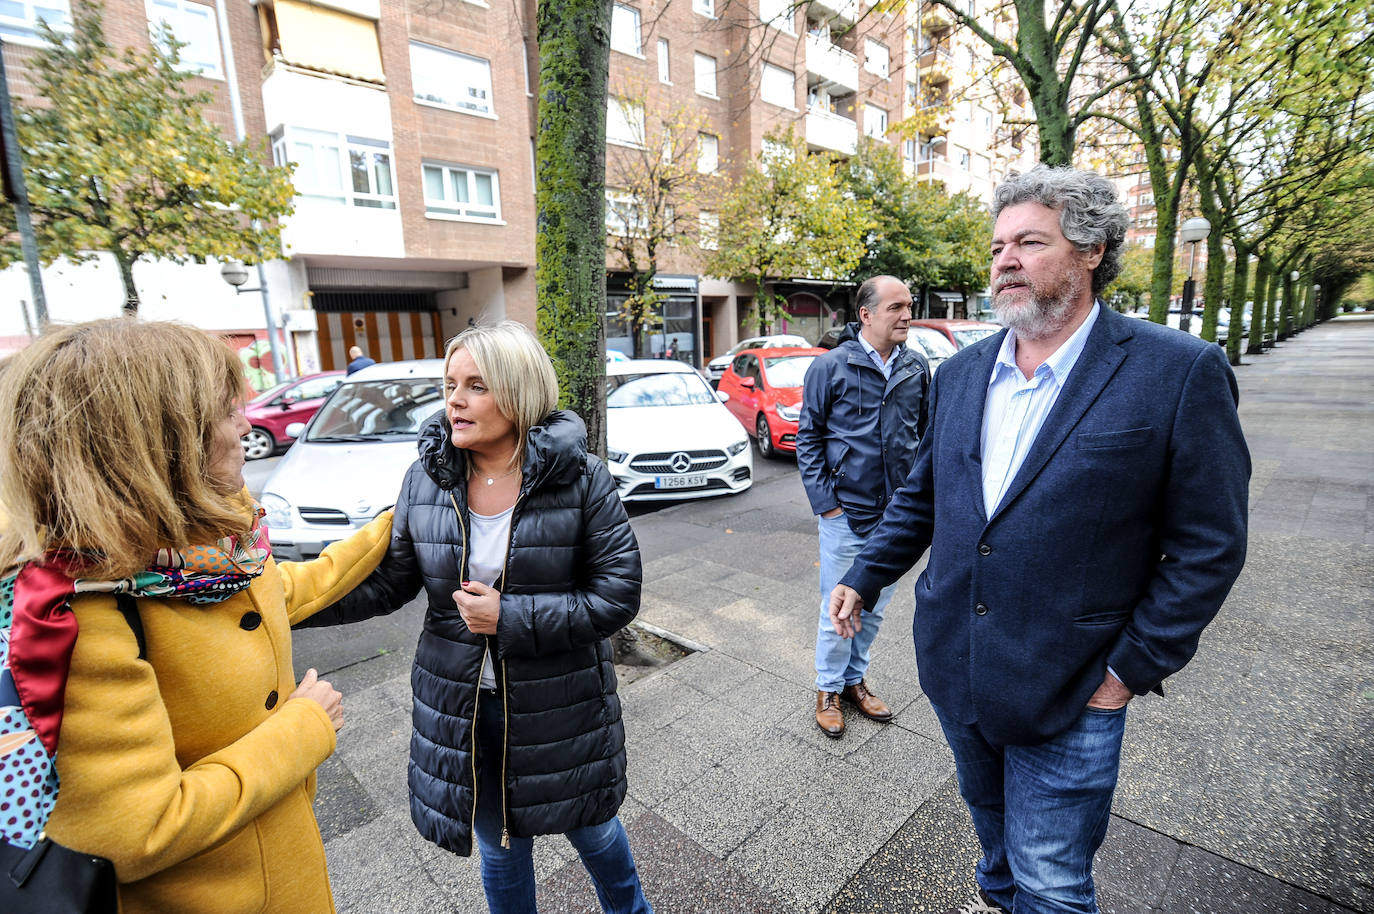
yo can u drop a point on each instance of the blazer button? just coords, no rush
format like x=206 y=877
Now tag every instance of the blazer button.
x=981 y=609
x=984 y=549
x=250 y=621
x=271 y=699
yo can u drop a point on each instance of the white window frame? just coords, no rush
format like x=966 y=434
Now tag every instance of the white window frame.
x=705 y=8
x=704 y=70
x=626 y=38
x=708 y=153
x=23 y=29
x=634 y=136
x=480 y=99
x=615 y=224
x=875 y=122
x=877 y=58
x=452 y=209
x=791 y=105
x=964 y=158
x=334 y=155
x=182 y=12
x=708 y=230
x=665 y=64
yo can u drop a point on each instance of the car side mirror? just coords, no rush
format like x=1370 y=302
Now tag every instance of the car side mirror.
x=722 y=396
x=294 y=429
x=746 y=383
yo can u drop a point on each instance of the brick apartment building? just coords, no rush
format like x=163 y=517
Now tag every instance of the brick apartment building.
x=411 y=123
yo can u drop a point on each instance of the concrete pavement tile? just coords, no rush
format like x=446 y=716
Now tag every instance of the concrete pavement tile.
x=668 y=535
x=679 y=877
x=660 y=763
x=655 y=702
x=721 y=809
x=341 y=803
x=1206 y=882
x=664 y=565
x=711 y=672
x=378 y=756
x=905 y=760
x=924 y=868
x=366 y=860
x=1134 y=865
x=767 y=698
x=410 y=890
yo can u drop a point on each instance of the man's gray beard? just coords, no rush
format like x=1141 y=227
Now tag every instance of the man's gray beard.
x=1047 y=315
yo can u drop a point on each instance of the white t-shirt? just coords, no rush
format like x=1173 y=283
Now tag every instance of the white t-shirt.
x=486 y=560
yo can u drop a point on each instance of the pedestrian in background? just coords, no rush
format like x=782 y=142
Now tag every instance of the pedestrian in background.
x=863 y=412
x=1082 y=488
x=529 y=564
x=359 y=361
x=150 y=627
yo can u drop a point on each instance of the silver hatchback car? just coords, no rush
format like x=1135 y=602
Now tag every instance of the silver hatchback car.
x=347 y=463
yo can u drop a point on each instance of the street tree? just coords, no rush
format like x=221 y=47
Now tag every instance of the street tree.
x=570 y=180
x=787 y=215
x=119 y=158
x=1132 y=286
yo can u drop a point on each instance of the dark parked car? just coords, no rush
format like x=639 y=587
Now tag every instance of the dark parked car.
x=273 y=410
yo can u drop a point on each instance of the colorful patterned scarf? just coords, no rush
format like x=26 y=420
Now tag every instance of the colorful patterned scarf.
x=38 y=632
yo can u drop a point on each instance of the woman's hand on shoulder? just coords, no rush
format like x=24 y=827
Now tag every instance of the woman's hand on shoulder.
x=480 y=606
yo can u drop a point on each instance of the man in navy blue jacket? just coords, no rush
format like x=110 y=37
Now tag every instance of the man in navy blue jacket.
x=1082 y=488
x=863 y=411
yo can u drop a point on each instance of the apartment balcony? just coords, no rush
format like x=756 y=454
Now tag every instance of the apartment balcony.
x=844 y=10
x=831 y=131
x=941 y=58
x=832 y=64
x=936 y=16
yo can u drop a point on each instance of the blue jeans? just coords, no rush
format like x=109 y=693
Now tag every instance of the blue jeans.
x=1041 y=811
x=842 y=661
x=508 y=872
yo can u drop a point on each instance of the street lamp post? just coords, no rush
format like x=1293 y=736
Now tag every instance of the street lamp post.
x=1316 y=301
x=1191 y=232
x=1289 y=322
x=236 y=274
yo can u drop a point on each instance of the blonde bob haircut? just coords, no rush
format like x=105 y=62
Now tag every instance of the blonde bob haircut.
x=517 y=371
x=106 y=434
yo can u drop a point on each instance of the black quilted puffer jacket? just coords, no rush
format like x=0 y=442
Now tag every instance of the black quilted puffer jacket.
x=572 y=579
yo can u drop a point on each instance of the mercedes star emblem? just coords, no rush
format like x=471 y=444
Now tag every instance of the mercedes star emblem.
x=680 y=462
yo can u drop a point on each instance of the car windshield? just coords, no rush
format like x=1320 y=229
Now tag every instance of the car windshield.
x=935 y=343
x=971 y=335
x=374 y=410
x=667 y=389
x=787 y=371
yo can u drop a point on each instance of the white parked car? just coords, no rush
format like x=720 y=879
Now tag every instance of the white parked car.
x=347 y=464
x=716 y=367
x=669 y=436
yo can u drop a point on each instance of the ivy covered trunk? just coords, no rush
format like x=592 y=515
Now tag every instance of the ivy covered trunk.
x=570 y=176
x=1259 y=318
x=1240 y=280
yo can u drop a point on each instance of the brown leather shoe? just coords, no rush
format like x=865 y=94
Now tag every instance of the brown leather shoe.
x=829 y=717
x=869 y=705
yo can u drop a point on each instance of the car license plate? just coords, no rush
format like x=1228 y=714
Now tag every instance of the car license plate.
x=680 y=482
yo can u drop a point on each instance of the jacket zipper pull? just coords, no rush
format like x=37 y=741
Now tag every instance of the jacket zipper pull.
x=505 y=838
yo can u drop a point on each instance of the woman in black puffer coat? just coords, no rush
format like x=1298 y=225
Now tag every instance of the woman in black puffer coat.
x=519 y=539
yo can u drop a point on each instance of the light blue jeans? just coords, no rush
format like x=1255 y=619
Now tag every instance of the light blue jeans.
x=842 y=661
x=1040 y=812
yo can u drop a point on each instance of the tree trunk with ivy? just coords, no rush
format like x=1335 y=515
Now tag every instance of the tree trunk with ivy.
x=1240 y=280
x=1259 y=318
x=570 y=174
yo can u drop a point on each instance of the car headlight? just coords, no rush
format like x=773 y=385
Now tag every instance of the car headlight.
x=738 y=446
x=790 y=413
x=278 y=511
x=616 y=456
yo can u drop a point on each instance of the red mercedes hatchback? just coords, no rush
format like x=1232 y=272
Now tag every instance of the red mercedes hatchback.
x=271 y=411
x=765 y=392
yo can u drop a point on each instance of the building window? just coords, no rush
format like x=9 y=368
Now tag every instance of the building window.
x=982 y=166
x=665 y=73
x=911 y=40
x=963 y=157
x=705 y=7
x=625 y=30
x=780 y=14
x=708 y=153
x=450 y=80
x=20 y=18
x=624 y=122
x=191 y=23
x=708 y=230
x=624 y=214
x=467 y=193
x=331 y=166
x=909 y=150
x=779 y=86
x=911 y=94
x=875 y=122
x=705 y=74
x=876 y=58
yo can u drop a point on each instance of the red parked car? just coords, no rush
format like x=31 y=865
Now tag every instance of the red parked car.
x=765 y=391
x=271 y=411
x=959 y=332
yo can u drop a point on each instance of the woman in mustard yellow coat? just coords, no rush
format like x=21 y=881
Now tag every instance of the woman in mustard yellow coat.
x=186 y=756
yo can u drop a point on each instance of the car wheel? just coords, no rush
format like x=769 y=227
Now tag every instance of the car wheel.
x=764 y=436
x=257 y=444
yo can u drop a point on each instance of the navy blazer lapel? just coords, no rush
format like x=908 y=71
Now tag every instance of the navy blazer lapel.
x=968 y=403
x=1101 y=356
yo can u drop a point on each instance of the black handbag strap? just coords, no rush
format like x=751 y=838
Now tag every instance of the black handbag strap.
x=128 y=606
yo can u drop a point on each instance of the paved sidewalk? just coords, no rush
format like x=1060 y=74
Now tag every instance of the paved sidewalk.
x=1250 y=788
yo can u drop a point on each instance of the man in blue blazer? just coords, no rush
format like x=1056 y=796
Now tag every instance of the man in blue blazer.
x=1082 y=488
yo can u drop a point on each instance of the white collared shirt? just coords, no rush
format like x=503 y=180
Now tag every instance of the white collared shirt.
x=884 y=367
x=1016 y=407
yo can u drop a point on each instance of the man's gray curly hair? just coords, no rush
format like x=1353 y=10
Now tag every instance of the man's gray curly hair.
x=1089 y=211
